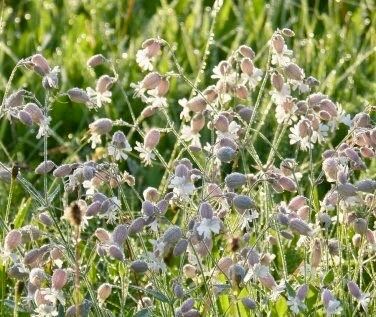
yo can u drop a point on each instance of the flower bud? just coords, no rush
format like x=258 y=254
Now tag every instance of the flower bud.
x=360 y=226
x=235 y=180
x=40 y=64
x=206 y=210
x=139 y=266
x=172 y=235
x=62 y=170
x=101 y=126
x=196 y=104
x=189 y=271
x=278 y=43
x=287 y=184
x=45 y=218
x=104 y=292
x=25 y=117
x=225 y=154
x=119 y=234
x=59 y=278
x=354 y=289
x=136 y=226
x=294 y=72
x=45 y=167
x=151 y=139
x=197 y=123
x=302 y=292
x=34 y=112
x=78 y=95
x=115 y=252
x=12 y=240
x=299 y=226
x=246 y=51
x=180 y=247
x=277 y=81
x=249 y=303
x=151 y=194
x=242 y=202
x=102 y=234
x=95 y=60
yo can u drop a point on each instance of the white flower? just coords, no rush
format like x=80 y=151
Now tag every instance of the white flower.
x=333 y=307
x=231 y=133
x=207 y=226
x=295 y=304
x=188 y=136
x=282 y=58
x=146 y=155
x=185 y=113
x=44 y=127
x=95 y=139
x=277 y=291
x=98 y=98
x=252 y=79
x=46 y=310
x=256 y=272
x=182 y=186
x=89 y=186
x=143 y=60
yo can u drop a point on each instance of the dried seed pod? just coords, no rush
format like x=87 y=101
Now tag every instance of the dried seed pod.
x=74 y=213
x=45 y=167
x=139 y=266
x=59 y=278
x=13 y=239
x=104 y=292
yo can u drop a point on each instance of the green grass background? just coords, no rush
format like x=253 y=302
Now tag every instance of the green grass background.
x=335 y=42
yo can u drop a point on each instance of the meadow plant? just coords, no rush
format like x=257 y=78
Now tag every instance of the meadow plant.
x=229 y=230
